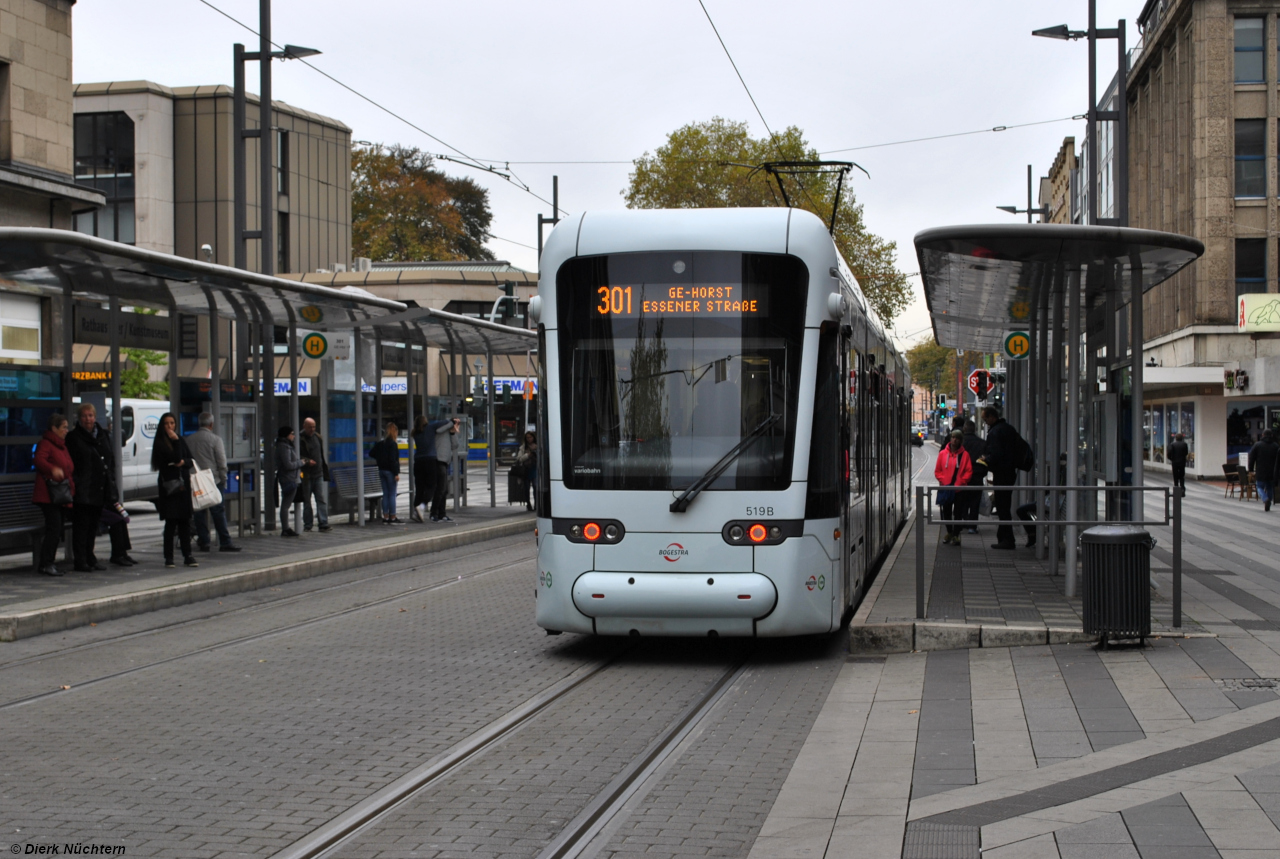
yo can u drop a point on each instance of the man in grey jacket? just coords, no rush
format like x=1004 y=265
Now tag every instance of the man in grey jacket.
x=315 y=477
x=210 y=454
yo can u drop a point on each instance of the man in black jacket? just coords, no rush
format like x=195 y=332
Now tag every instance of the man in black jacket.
x=1178 y=453
x=1004 y=448
x=95 y=478
x=1264 y=462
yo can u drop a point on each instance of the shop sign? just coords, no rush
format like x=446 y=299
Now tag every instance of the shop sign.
x=517 y=384
x=137 y=330
x=282 y=387
x=1258 y=312
x=395 y=385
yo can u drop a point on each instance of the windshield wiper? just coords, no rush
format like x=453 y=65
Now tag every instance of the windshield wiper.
x=682 y=503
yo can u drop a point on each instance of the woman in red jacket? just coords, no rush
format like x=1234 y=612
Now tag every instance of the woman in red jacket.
x=53 y=464
x=953 y=468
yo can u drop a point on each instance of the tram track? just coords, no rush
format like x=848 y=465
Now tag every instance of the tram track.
x=582 y=836
x=233 y=612
x=258 y=636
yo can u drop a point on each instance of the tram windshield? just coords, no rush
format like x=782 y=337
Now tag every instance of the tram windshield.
x=669 y=361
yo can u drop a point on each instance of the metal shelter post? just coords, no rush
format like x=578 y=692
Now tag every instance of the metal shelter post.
x=266 y=143
x=68 y=345
x=1041 y=411
x=493 y=433
x=293 y=410
x=1177 y=559
x=379 y=424
x=267 y=336
x=1135 y=383
x=1075 y=387
x=919 y=552
x=359 y=455
x=215 y=358
x=117 y=440
x=1055 y=390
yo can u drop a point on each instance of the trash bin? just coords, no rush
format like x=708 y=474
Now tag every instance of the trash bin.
x=1116 y=581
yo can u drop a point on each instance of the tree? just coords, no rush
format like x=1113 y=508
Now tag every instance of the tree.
x=135 y=380
x=932 y=366
x=700 y=167
x=403 y=209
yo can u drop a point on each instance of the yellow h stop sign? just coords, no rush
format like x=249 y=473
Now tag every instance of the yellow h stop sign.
x=314 y=345
x=1017 y=345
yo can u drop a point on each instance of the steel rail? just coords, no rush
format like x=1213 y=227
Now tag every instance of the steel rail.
x=257 y=636
x=282 y=601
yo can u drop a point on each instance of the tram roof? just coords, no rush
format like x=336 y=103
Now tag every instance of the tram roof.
x=983 y=281
x=46 y=262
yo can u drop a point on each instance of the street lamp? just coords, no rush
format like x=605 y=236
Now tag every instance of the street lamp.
x=1094 y=116
x=1042 y=211
x=266 y=159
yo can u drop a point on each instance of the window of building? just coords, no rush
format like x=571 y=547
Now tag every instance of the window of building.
x=1249 y=57
x=104 y=161
x=1251 y=168
x=1251 y=266
x=282 y=162
x=282 y=243
x=19 y=329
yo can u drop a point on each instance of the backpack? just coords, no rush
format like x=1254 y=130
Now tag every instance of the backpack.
x=1025 y=458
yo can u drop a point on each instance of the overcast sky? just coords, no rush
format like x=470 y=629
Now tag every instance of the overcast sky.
x=585 y=80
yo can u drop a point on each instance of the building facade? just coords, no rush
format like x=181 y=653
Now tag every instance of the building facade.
x=163 y=158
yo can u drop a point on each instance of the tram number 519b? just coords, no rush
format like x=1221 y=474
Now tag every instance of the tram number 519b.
x=614 y=300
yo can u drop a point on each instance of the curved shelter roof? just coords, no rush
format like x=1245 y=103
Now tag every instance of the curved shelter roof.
x=983 y=281
x=49 y=262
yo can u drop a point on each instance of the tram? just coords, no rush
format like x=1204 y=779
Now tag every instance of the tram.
x=725 y=431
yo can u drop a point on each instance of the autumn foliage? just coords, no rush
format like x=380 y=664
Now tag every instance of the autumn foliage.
x=403 y=209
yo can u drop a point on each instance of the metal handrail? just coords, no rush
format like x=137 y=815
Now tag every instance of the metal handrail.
x=1173 y=518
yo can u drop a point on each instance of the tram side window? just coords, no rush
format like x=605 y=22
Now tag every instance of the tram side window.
x=542 y=492
x=825 y=457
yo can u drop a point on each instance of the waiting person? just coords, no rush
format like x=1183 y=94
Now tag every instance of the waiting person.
x=527 y=462
x=1264 y=462
x=288 y=467
x=448 y=438
x=386 y=453
x=1003 y=451
x=53 y=465
x=116 y=521
x=91 y=451
x=426 y=463
x=952 y=468
x=171 y=458
x=210 y=453
x=976 y=446
x=315 y=477
x=1177 y=455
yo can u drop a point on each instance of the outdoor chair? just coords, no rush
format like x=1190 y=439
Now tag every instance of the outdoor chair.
x=1248 y=488
x=1233 y=479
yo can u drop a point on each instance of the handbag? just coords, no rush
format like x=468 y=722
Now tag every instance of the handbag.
x=204 y=489
x=59 y=491
x=170 y=487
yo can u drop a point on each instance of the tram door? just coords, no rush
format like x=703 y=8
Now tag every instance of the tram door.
x=847 y=573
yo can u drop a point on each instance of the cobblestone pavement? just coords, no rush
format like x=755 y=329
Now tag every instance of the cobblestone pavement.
x=1062 y=751
x=235 y=729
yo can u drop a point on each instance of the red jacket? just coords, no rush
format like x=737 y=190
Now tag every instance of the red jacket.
x=51 y=452
x=951 y=465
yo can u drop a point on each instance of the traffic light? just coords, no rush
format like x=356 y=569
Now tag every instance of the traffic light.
x=508 y=307
x=506 y=394
x=982 y=384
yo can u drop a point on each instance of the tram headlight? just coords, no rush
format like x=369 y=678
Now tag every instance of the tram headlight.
x=591 y=531
x=758 y=533
x=736 y=533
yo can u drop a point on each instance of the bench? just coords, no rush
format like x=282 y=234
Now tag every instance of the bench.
x=345 y=495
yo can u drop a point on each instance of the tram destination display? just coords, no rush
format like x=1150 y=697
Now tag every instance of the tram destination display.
x=717 y=300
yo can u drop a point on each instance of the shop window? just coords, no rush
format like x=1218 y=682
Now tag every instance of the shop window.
x=282 y=243
x=19 y=329
x=1248 y=51
x=1251 y=266
x=1187 y=423
x=104 y=151
x=1159 y=441
x=1251 y=167
x=1147 y=439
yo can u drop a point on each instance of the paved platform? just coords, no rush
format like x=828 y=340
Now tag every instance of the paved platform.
x=32 y=604
x=1056 y=751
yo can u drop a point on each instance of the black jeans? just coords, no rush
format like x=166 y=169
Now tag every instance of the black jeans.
x=120 y=543
x=84 y=530
x=953 y=507
x=182 y=528
x=54 y=522
x=1180 y=475
x=441 y=489
x=1002 y=503
x=425 y=472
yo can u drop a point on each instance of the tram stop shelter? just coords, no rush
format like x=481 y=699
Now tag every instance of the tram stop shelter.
x=1075 y=294
x=217 y=324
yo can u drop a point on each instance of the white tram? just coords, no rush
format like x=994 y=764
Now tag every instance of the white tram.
x=724 y=429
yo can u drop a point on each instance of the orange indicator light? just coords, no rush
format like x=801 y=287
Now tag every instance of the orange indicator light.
x=757 y=533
